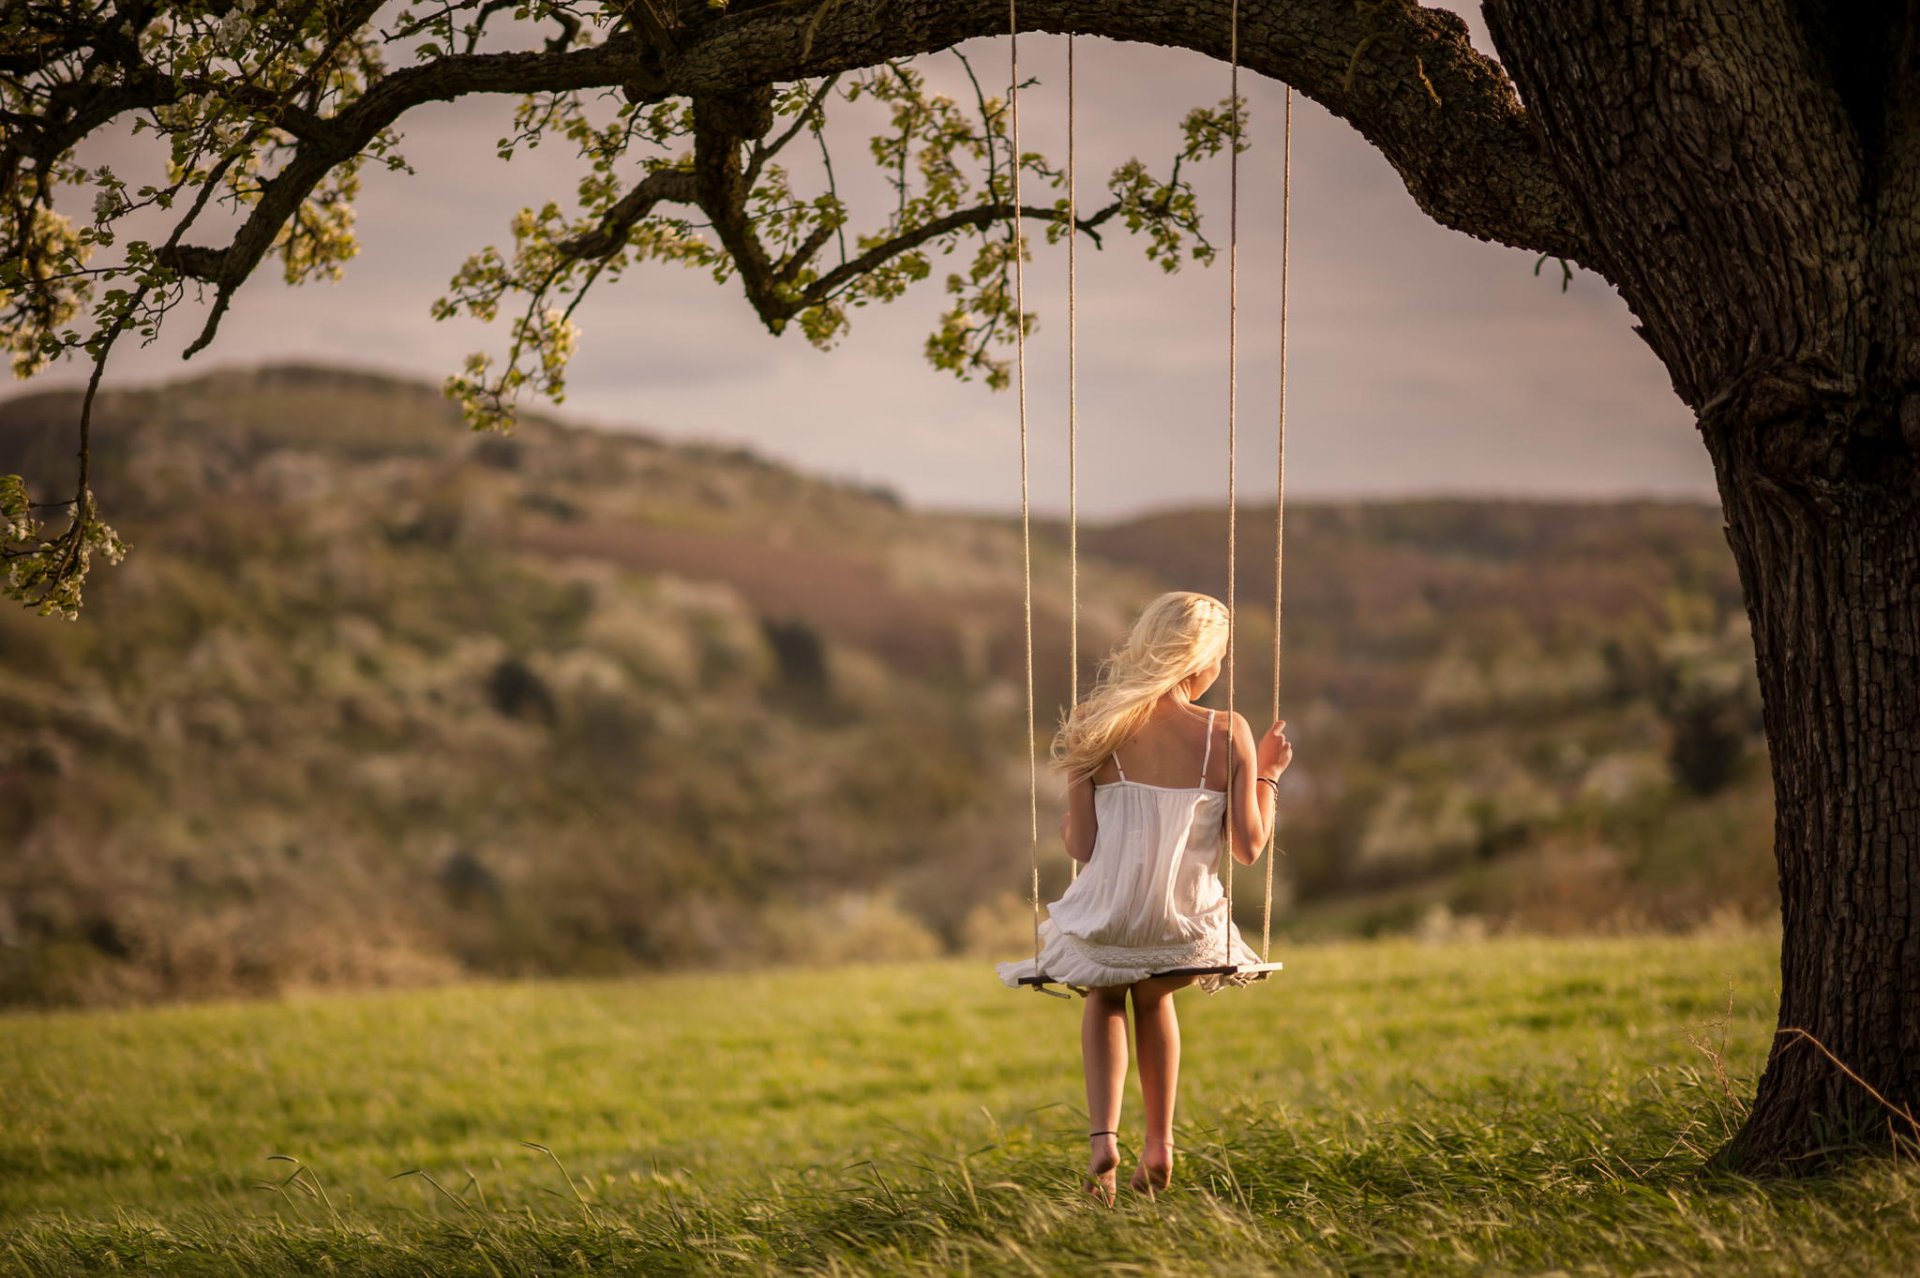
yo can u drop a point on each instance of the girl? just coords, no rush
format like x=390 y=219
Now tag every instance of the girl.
x=1149 y=827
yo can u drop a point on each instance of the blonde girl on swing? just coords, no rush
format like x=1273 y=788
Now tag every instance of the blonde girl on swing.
x=1148 y=810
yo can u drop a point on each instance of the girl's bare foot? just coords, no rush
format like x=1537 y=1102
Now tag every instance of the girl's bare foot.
x=1155 y=1171
x=1102 y=1161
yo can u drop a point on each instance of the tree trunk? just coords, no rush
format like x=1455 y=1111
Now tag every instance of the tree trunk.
x=1747 y=175
x=1832 y=581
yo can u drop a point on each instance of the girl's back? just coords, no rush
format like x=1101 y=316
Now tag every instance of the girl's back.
x=1149 y=896
x=1176 y=747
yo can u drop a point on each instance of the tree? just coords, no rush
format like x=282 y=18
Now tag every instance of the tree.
x=1745 y=172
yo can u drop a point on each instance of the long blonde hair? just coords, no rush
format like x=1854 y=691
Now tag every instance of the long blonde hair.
x=1179 y=633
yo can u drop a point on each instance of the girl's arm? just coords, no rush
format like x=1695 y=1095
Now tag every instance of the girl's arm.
x=1079 y=825
x=1251 y=806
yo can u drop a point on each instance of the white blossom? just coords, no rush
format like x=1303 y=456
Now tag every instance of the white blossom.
x=233 y=32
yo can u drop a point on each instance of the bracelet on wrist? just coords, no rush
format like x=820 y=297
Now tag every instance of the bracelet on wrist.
x=1272 y=781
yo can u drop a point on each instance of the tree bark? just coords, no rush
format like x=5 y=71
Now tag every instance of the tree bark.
x=1753 y=197
x=1830 y=572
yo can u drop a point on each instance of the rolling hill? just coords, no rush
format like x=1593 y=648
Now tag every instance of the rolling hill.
x=374 y=699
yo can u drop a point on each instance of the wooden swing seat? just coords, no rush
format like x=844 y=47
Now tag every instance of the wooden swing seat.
x=1257 y=970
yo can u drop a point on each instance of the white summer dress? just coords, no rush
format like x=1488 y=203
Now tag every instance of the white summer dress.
x=1149 y=898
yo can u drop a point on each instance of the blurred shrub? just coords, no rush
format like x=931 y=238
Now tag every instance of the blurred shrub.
x=1710 y=732
x=519 y=693
x=850 y=927
x=1000 y=929
x=799 y=656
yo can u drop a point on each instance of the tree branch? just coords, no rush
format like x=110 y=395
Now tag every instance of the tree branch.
x=767 y=150
x=1700 y=149
x=721 y=124
x=339 y=138
x=1446 y=117
x=822 y=289
x=656 y=188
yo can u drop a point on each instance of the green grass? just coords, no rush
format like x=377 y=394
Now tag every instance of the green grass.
x=1515 y=1106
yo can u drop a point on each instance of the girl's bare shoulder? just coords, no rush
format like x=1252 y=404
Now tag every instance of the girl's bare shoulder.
x=1242 y=732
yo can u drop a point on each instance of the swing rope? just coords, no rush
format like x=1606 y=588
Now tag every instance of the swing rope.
x=1233 y=411
x=1073 y=416
x=1026 y=509
x=1279 y=486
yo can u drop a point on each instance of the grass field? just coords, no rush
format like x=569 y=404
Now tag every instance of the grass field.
x=1511 y=1106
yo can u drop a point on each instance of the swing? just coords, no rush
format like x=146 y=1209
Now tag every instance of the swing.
x=1041 y=982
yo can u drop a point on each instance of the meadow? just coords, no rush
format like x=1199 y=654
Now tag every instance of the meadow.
x=1508 y=1105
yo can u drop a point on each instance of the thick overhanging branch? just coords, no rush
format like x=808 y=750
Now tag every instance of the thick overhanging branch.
x=1408 y=78
x=1724 y=186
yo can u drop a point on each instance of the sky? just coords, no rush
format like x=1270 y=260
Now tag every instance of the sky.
x=1421 y=361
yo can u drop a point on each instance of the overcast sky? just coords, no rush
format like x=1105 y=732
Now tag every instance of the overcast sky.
x=1422 y=361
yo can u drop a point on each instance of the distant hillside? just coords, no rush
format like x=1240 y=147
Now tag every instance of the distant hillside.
x=377 y=699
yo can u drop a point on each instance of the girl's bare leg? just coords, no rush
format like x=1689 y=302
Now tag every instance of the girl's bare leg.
x=1158 y=1029
x=1103 y=1052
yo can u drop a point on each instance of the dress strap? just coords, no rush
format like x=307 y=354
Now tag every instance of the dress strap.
x=1116 y=764
x=1208 y=756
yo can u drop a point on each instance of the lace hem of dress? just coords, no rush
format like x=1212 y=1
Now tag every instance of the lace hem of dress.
x=1195 y=953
